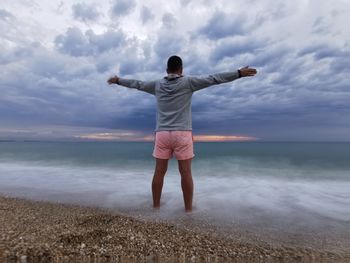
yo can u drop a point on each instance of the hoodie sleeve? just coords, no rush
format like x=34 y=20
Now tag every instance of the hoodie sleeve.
x=146 y=86
x=198 y=83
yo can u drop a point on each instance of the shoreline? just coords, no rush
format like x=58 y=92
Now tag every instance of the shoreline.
x=58 y=232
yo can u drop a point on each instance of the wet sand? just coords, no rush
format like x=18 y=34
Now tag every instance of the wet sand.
x=36 y=231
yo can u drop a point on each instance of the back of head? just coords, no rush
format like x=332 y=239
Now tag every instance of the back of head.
x=174 y=64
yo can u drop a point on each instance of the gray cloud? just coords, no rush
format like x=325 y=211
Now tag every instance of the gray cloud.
x=10 y=55
x=320 y=51
x=168 y=44
x=77 y=43
x=341 y=65
x=338 y=56
x=233 y=47
x=270 y=57
x=73 y=43
x=301 y=90
x=61 y=89
x=109 y=40
x=5 y=15
x=169 y=20
x=274 y=12
x=146 y=14
x=123 y=7
x=222 y=25
x=85 y=12
x=184 y=3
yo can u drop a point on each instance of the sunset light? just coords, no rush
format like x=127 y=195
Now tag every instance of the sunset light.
x=220 y=138
x=133 y=136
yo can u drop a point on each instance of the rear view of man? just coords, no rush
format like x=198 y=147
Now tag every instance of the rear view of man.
x=174 y=120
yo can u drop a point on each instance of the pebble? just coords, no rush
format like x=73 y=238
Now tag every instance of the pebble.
x=64 y=232
x=23 y=259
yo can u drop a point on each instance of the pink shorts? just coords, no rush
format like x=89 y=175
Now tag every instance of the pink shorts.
x=178 y=142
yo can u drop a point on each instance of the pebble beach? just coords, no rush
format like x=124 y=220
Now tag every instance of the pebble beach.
x=37 y=231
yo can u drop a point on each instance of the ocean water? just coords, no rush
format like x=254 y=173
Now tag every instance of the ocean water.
x=266 y=185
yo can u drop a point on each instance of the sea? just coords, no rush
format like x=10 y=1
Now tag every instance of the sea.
x=295 y=188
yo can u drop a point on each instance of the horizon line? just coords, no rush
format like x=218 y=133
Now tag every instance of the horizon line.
x=253 y=141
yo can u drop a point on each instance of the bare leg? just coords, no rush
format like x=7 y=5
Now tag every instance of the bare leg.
x=158 y=178
x=186 y=182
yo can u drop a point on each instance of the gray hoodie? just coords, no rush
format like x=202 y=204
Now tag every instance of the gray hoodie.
x=174 y=93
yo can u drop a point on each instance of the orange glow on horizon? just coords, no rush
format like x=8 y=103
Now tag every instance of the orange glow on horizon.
x=223 y=138
x=132 y=136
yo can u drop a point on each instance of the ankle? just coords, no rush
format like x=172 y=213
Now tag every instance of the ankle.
x=156 y=206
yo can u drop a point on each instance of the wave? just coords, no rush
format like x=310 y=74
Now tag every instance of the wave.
x=233 y=193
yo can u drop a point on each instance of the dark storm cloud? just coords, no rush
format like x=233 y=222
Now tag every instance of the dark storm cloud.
x=76 y=43
x=123 y=7
x=222 y=25
x=339 y=57
x=85 y=12
x=271 y=57
x=109 y=49
x=341 y=65
x=301 y=90
x=262 y=115
x=279 y=99
x=195 y=63
x=66 y=89
x=321 y=51
x=140 y=120
x=16 y=54
x=234 y=47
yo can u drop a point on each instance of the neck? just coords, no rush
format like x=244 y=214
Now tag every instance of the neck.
x=178 y=72
x=173 y=75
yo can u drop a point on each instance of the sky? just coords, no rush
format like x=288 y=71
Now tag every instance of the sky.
x=57 y=55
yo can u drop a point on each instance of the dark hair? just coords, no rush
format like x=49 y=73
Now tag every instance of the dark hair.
x=174 y=64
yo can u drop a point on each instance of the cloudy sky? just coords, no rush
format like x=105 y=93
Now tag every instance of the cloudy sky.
x=57 y=55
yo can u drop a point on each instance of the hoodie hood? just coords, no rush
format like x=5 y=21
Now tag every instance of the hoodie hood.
x=172 y=76
x=169 y=83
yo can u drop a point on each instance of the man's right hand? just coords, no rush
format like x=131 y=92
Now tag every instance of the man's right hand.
x=247 y=71
x=113 y=80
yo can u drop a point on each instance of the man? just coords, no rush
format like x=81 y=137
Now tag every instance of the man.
x=174 y=120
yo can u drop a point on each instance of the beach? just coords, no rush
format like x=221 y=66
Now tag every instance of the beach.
x=56 y=232
x=266 y=202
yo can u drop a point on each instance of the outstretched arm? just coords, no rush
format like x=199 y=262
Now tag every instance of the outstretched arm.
x=198 y=83
x=146 y=86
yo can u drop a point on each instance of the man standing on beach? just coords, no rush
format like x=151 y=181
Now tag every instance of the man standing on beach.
x=174 y=120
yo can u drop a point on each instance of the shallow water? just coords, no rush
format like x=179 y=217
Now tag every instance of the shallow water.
x=290 y=187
